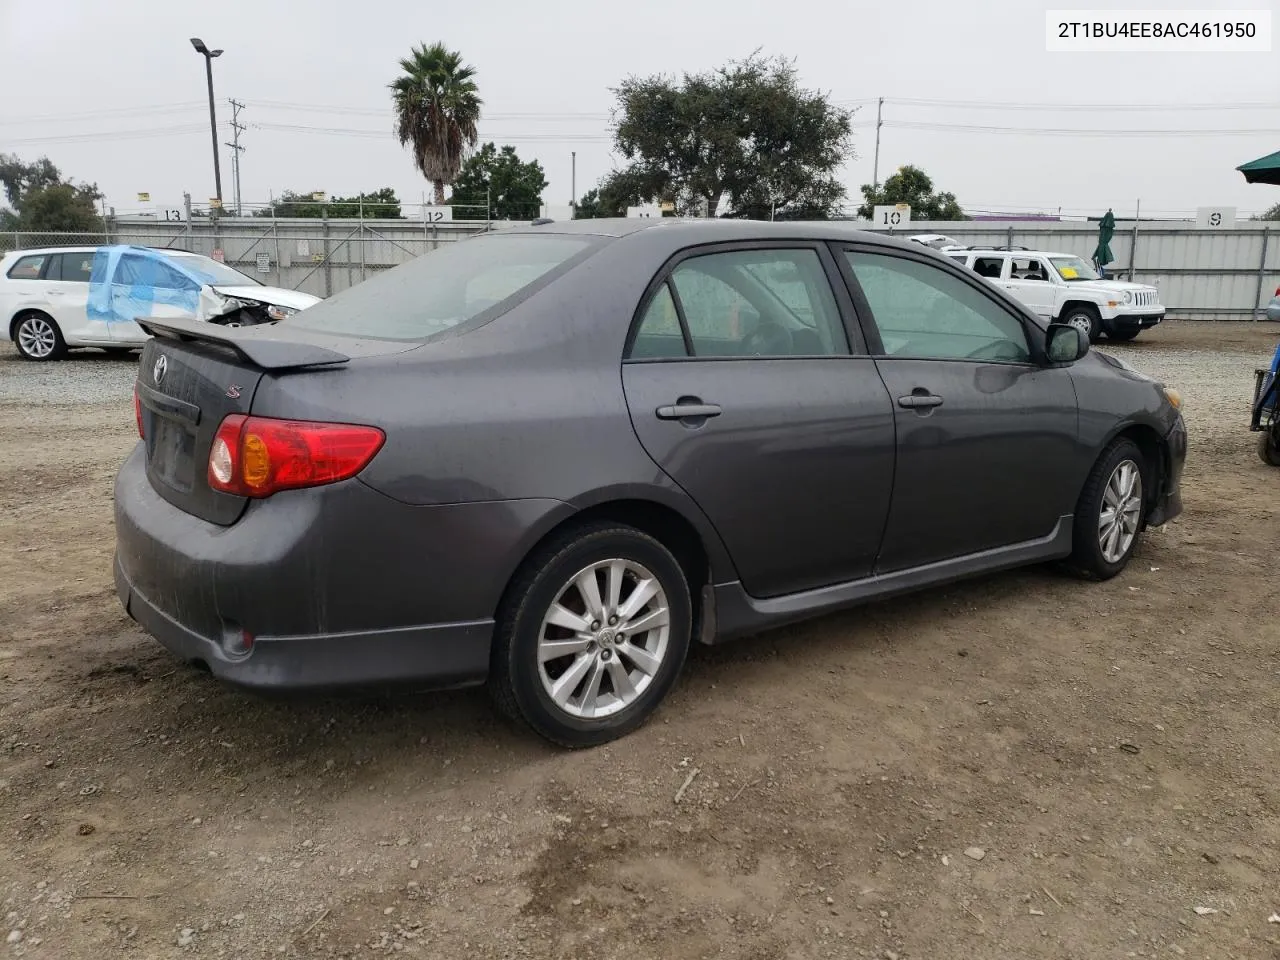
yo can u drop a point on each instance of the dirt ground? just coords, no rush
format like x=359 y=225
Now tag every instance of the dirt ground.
x=1020 y=766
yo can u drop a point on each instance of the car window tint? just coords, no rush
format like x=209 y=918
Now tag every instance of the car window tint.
x=147 y=271
x=775 y=303
x=28 y=268
x=1027 y=268
x=988 y=266
x=448 y=287
x=75 y=267
x=659 y=333
x=923 y=311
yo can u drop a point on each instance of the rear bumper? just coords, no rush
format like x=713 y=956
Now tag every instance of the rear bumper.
x=338 y=585
x=446 y=654
x=1169 y=503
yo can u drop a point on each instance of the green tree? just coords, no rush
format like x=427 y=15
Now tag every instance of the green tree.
x=613 y=194
x=1271 y=214
x=911 y=185
x=43 y=200
x=745 y=136
x=437 y=107
x=379 y=205
x=500 y=183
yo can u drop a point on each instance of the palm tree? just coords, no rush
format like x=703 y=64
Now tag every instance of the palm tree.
x=437 y=109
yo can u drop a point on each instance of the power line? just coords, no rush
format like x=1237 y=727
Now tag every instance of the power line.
x=1092 y=107
x=1073 y=131
x=112 y=112
x=171 y=131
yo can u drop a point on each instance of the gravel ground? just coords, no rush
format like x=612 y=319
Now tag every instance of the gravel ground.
x=84 y=377
x=1017 y=766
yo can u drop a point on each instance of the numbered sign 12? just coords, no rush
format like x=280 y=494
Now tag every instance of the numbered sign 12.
x=892 y=215
x=433 y=214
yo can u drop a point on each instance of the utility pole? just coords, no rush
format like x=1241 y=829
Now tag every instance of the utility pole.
x=573 y=182
x=875 y=167
x=236 y=149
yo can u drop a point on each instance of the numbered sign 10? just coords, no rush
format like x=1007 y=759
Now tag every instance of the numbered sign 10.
x=892 y=215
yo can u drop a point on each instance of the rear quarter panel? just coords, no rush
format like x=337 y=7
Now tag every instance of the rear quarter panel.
x=528 y=407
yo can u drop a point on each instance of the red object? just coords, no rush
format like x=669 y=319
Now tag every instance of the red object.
x=259 y=456
x=137 y=410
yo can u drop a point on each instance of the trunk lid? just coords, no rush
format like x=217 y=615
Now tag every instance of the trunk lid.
x=193 y=374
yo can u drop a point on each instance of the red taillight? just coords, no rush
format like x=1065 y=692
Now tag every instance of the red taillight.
x=137 y=410
x=1278 y=291
x=259 y=456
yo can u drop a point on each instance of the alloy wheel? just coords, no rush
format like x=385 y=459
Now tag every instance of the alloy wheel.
x=603 y=639
x=37 y=338
x=1121 y=511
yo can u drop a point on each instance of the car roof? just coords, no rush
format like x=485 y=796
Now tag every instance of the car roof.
x=679 y=232
x=990 y=252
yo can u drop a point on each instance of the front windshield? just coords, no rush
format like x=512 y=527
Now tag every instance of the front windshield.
x=1073 y=268
x=212 y=272
x=444 y=288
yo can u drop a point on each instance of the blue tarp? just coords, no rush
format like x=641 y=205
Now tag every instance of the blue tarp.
x=128 y=282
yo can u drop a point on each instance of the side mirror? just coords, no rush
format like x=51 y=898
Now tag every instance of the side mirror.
x=1065 y=343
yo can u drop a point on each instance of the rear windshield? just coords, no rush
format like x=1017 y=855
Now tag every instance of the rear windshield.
x=445 y=288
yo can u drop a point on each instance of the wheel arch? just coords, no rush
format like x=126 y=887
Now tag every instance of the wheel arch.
x=1151 y=443
x=26 y=312
x=660 y=514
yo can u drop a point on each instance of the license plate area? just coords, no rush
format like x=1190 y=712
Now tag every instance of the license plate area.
x=171 y=453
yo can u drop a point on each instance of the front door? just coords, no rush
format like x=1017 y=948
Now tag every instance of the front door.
x=986 y=433
x=743 y=387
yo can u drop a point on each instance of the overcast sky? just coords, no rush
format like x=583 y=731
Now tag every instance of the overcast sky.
x=113 y=75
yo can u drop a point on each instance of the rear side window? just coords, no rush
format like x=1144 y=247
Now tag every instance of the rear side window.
x=988 y=267
x=448 y=287
x=756 y=303
x=28 y=268
x=75 y=267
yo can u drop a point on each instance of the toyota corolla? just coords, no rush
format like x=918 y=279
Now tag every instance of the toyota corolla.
x=550 y=458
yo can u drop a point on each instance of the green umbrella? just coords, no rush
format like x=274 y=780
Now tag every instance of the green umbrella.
x=1263 y=170
x=1106 y=230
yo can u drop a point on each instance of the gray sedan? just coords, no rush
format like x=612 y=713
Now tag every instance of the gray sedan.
x=552 y=457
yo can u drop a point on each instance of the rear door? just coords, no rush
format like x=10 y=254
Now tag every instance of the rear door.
x=986 y=434
x=744 y=386
x=67 y=286
x=1028 y=280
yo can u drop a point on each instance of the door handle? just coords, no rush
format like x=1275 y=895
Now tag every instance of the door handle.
x=918 y=401
x=688 y=411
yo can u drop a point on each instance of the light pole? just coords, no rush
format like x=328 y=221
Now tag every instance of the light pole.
x=213 y=119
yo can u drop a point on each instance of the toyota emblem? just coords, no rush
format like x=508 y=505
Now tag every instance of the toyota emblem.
x=157 y=372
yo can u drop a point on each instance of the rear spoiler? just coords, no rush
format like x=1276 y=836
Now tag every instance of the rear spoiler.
x=268 y=354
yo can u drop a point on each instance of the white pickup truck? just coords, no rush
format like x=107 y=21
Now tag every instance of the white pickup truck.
x=1066 y=289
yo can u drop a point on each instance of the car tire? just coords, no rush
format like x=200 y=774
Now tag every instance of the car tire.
x=1085 y=316
x=1122 y=336
x=37 y=337
x=1269 y=449
x=582 y=681
x=1110 y=512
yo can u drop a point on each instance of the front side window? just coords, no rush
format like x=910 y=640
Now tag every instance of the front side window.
x=150 y=272
x=28 y=268
x=447 y=287
x=1027 y=268
x=924 y=312
x=759 y=303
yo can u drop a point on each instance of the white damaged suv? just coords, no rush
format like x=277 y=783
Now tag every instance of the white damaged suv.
x=61 y=298
x=1066 y=289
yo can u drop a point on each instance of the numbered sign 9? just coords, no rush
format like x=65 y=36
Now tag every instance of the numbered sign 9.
x=1215 y=218
x=892 y=215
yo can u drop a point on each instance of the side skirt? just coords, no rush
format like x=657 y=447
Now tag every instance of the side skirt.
x=737 y=613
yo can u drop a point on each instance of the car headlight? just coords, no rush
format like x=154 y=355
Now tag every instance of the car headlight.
x=1128 y=297
x=279 y=313
x=1174 y=396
